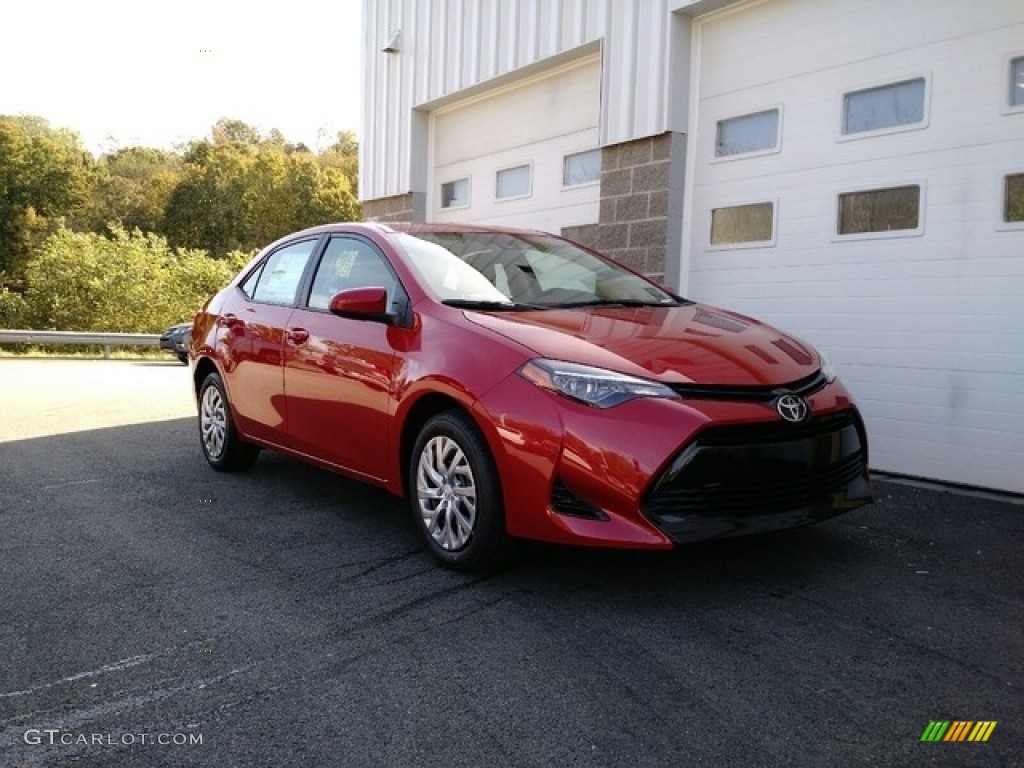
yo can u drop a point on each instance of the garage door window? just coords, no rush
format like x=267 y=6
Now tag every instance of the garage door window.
x=758 y=132
x=581 y=168
x=455 y=194
x=512 y=182
x=886 y=107
x=895 y=209
x=1013 y=199
x=1017 y=82
x=743 y=225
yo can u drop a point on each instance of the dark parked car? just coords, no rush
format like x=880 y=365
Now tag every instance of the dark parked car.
x=176 y=339
x=513 y=384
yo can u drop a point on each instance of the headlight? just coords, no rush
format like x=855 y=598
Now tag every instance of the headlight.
x=826 y=367
x=593 y=386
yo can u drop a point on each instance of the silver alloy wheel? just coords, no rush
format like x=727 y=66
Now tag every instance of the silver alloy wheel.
x=447 y=493
x=213 y=422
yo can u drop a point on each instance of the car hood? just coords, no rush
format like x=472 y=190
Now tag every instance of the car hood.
x=693 y=343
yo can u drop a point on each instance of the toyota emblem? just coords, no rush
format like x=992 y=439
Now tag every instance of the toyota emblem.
x=792 y=408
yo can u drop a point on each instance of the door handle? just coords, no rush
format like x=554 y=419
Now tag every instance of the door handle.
x=230 y=321
x=297 y=335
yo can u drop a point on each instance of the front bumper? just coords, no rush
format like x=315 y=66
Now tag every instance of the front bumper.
x=654 y=472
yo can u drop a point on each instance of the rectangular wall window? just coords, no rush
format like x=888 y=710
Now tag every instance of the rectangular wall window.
x=753 y=223
x=455 y=194
x=1017 y=82
x=513 y=182
x=880 y=210
x=1013 y=198
x=888 y=106
x=758 y=132
x=581 y=168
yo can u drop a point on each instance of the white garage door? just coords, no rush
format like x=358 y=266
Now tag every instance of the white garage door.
x=500 y=158
x=854 y=171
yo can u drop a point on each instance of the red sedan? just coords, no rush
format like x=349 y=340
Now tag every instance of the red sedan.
x=512 y=384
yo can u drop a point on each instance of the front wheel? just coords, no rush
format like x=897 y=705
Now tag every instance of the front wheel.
x=456 y=496
x=223 y=448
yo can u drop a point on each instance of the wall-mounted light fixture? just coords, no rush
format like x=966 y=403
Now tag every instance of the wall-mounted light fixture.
x=394 y=42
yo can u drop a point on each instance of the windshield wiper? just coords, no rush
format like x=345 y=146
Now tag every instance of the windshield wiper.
x=486 y=305
x=619 y=303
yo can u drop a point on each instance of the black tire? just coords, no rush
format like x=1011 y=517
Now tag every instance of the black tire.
x=182 y=358
x=455 y=495
x=222 y=447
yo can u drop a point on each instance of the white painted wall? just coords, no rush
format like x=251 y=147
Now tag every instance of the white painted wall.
x=927 y=330
x=536 y=122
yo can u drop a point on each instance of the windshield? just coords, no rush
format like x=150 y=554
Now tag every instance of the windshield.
x=527 y=269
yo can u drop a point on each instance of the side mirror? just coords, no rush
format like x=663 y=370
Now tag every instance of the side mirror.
x=369 y=303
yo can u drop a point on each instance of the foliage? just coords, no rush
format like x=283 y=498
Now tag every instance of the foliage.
x=132 y=188
x=127 y=282
x=241 y=190
x=138 y=239
x=44 y=174
x=344 y=155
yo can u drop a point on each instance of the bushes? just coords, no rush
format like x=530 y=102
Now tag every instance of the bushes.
x=124 y=282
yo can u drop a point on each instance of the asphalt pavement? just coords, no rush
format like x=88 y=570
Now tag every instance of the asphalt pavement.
x=156 y=613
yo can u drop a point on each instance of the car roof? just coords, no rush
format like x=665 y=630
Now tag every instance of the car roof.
x=410 y=228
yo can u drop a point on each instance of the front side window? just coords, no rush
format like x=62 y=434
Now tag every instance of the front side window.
x=1013 y=198
x=749 y=133
x=753 y=223
x=282 y=272
x=1017 y=82
x=455 y=194
x=349 y=263
x=512 y=182
x=879 y=210
x=581 y=168
x=888 y=106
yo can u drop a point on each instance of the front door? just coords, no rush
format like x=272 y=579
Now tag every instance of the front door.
x=339 y=371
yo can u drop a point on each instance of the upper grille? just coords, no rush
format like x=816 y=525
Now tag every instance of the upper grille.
x=751 y=393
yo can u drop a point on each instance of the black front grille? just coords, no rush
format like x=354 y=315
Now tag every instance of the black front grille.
x=740 y=479
x=804 y=387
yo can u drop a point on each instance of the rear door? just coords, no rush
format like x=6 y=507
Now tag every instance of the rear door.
x=338 y=371
x=255 y=324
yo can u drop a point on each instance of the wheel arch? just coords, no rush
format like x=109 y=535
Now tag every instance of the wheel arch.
x=204 y=367
x=424 y=409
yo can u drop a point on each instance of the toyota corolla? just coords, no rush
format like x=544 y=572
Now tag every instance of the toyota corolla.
x=514 y=385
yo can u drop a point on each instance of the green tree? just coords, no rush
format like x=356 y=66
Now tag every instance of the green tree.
x=343 y=154
x=127 y=282
x=241 y=191
x=230 y=131
x=209 y=207
x=132 y=189
x=44 y=174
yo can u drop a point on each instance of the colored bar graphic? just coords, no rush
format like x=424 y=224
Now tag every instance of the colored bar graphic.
x=982 y=730
x=959 y=730
x=935 y=731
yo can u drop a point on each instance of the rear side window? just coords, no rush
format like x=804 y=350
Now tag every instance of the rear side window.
x=279 y=279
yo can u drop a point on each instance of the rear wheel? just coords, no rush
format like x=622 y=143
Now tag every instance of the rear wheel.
x=223 y=448
x=455 y=494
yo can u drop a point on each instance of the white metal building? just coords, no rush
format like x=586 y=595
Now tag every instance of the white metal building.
x=851 y=170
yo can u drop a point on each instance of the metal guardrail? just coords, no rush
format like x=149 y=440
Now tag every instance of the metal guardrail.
x=107 y=340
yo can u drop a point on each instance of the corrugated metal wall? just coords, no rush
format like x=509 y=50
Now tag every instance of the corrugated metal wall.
x=449 y=46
